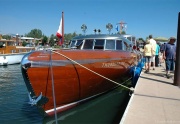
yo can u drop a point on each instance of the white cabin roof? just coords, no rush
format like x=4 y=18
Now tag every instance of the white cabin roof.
x=27 y=38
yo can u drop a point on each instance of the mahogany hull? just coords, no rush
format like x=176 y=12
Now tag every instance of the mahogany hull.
x=73 y=83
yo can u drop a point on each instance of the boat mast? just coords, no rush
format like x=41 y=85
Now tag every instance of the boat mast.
x=62 y=28
x=122 y=25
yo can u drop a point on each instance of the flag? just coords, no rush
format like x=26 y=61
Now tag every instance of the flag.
x=59 y=31
x=117 y=27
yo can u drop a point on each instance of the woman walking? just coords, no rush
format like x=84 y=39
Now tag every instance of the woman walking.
x=147 y=55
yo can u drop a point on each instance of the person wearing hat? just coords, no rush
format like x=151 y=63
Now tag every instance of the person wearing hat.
x=147 y=55
x=169 y=55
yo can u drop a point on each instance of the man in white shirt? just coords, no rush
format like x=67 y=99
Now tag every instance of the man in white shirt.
x=153 y=43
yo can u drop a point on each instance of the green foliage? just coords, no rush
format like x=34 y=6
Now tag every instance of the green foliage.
x=24 y=43
x=35 y=33
x=57 y=46
x=7 y=37
x=123 y=32
x=1 y=44
x=68 y=37
x=52 y=40
x=141 y=39
x=44 y=40
x=36 y=42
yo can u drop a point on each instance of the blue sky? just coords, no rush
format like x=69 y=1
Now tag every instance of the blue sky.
x=143 y=17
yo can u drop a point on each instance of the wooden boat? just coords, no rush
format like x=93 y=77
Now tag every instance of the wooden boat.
x=12 y=54
x=58 y=80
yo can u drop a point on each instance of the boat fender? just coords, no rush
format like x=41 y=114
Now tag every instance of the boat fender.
x=140 y=65
x=3 y=61
x=135 y=72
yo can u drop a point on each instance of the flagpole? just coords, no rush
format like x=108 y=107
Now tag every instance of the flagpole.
x=62 y=28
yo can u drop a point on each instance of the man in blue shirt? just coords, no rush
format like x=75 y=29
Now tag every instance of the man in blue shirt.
x=169 y=55
x=157 y=55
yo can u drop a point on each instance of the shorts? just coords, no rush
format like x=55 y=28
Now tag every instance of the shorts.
x=153 y=58
x=147 y=59
x=169 y=64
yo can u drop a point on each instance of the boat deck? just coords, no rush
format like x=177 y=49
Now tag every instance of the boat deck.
x=155 y=100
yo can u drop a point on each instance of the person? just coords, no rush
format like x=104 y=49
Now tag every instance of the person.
x=161 y=52
x=157 y=55
x=169 y=55
x=153 y=43
x=160 y=55
x=147 y=55
x=162 y=47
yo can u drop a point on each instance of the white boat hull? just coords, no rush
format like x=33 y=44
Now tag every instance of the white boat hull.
x=9 y=59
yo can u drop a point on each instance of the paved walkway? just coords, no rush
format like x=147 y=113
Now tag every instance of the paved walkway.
x=155 y=100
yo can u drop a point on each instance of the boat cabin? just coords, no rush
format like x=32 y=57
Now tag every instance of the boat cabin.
x=101 y=42
x=9 y=47
x=130 y=38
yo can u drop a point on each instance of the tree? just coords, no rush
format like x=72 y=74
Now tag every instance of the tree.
x=141 y=39
x=44 y=40
x=24 y=43
x=123 y=32
x=7 y=37
x=68 y=37
x=35 y=33
x=52 y=40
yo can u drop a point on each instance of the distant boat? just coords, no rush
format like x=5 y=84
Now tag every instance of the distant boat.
x=93 y=65
x=12 y=54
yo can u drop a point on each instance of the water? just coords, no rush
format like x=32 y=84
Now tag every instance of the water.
x=106 y=109
x=14 y=107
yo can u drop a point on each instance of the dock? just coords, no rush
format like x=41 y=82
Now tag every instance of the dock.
x=155 y=100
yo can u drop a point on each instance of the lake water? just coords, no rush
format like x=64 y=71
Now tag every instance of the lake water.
x=14 y=107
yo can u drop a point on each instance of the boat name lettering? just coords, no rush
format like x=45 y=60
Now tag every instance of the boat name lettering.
x=114 y=64
x=42 y=56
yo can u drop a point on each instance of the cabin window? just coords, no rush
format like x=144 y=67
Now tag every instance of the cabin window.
x=79 y=44
x=119 y=45
x=88 y=44
x=2 y=44
x=126 y=47
x=99 y=44
x=134 y=41
x=13 y=51
x=10 y=43
x=129 y=38
x=72 y=43
x=110 y=44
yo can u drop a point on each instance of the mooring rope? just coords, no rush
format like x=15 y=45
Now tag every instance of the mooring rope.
x=131 y=89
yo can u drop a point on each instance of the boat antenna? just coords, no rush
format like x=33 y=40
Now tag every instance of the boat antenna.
x=109 y=27
x=99 y=31
x=84 y=28
x=95 y=31
x=122 y=26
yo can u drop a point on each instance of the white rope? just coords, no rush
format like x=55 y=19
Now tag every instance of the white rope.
x=94 y=71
